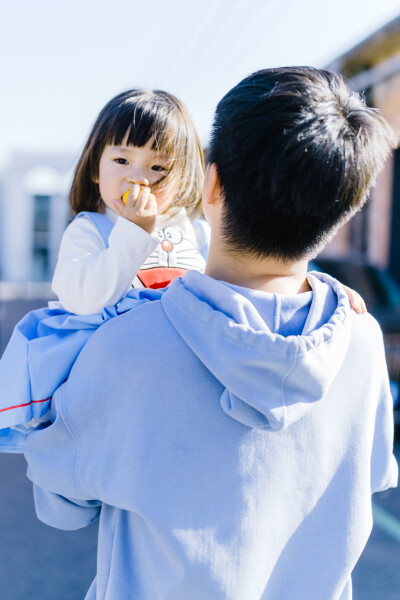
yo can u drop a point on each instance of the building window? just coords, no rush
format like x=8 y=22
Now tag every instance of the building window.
x=41 y=238
x=41 y=219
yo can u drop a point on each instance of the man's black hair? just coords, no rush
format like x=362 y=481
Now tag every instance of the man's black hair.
x=296 y=153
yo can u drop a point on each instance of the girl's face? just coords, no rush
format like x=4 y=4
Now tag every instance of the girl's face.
x=122 y=166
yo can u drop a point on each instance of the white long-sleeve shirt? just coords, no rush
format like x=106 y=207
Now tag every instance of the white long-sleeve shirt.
x=90 y=275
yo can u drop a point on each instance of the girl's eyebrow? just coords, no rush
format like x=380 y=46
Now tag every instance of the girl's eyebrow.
x=127 y=149
x=120 y=148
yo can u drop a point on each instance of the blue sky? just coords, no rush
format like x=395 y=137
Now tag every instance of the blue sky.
x=62 y=61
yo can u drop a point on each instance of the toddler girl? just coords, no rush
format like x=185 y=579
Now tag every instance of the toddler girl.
x=136 y=184
x=137 y=181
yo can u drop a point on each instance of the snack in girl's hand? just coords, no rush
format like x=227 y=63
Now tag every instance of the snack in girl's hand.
x=125 y=196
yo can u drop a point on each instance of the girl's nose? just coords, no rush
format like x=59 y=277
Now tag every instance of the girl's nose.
x=138 y=178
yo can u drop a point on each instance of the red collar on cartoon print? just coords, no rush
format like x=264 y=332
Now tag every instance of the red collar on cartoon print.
x=174 y=256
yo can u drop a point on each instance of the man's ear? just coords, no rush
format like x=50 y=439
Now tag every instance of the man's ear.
x=212 y=192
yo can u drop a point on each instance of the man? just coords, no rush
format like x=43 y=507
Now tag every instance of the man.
x=236 y=457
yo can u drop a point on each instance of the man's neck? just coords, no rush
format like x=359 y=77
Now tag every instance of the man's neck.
x=264 y=274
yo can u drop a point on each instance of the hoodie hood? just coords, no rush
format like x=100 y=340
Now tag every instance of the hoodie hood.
x=270 y=381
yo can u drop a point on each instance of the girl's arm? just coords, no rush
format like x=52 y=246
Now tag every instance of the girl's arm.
x=89 y=276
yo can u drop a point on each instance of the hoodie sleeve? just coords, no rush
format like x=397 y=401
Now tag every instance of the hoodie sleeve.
x=73 y=459
x=52 y=457
x=384 y=469
x=64 y=513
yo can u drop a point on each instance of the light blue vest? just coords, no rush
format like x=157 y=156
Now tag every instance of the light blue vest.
x=41 y=352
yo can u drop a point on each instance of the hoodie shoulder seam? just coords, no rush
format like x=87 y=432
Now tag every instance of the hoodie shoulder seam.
x=289 y=372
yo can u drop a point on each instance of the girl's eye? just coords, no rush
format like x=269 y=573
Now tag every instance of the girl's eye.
x=159 y=168
x=121 y=161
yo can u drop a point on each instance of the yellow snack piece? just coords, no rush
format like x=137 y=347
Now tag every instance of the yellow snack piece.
x=125 y=196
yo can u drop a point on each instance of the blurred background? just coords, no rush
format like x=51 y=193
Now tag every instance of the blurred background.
x=60 y=63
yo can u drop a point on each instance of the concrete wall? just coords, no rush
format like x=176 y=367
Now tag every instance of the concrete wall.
x=29 y=175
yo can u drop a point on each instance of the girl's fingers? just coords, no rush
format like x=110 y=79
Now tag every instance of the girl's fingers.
x=135 y=192
x=141 y=207
x=131 y=195
x=362 y=308
x=356 y=304
x=142 y=198
x=356 y=301
x=151 y=206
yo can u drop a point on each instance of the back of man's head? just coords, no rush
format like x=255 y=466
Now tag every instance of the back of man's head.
x=296 y=153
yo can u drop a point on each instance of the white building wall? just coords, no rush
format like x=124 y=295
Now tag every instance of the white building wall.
x=29 y=175
x=15 y=226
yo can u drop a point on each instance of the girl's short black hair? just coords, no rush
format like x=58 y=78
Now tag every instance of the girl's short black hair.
x=137 y=116
x=296 y=153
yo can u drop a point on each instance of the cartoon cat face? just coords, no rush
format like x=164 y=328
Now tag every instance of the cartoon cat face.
x=175 y=254
x=175 y=250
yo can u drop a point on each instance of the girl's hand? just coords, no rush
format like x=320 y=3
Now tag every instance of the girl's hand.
x=356 y=302
x=140 y=207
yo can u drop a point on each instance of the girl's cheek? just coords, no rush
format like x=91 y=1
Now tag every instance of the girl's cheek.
x=163 y=200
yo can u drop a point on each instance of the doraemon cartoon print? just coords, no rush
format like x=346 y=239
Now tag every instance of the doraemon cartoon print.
x=176 y=254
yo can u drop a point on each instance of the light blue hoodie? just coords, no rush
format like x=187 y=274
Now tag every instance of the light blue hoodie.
x=244 y=459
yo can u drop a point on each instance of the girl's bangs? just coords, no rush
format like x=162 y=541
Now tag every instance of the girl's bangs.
x=141 y=122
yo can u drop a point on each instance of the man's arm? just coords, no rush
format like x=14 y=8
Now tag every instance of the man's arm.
x=64 y=513
x=51 y=454
x=75 y=457
x=384 y=469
